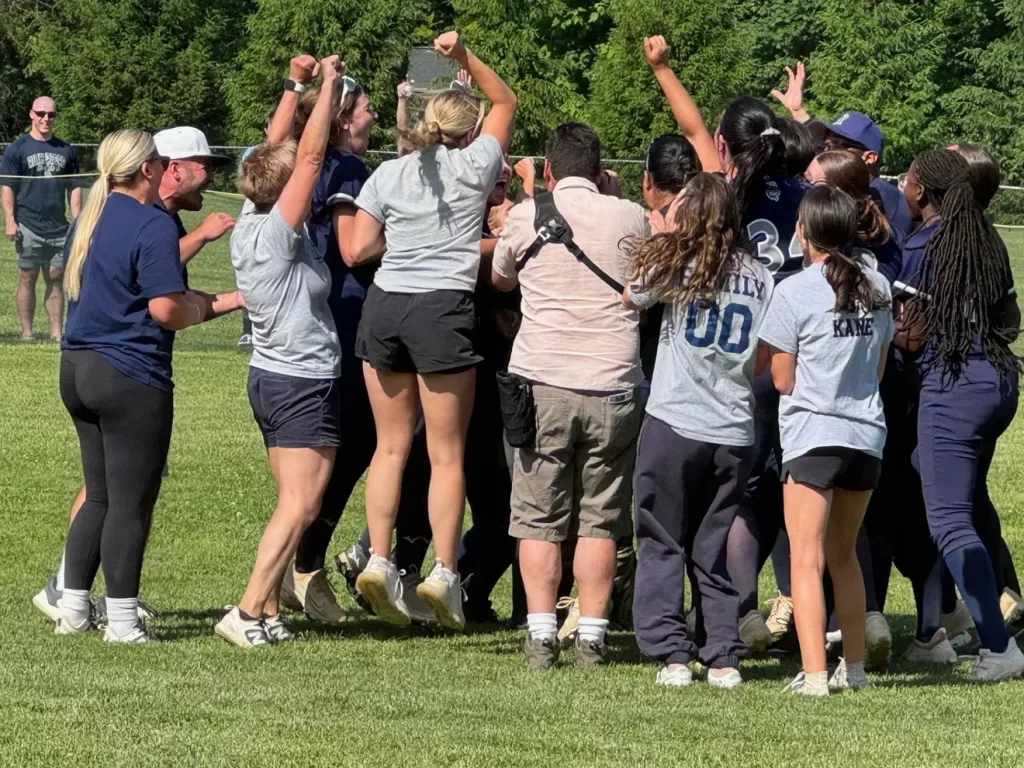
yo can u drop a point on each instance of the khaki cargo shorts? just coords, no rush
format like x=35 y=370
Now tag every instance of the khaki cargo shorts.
x=577 y=479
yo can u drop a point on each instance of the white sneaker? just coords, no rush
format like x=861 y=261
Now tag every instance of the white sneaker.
x=993 y=667
x=140 y=635
x=277 y=630
x=419 y=611
x=442 y=592
x=961 y=630
x=311 y=594
x=571 y=626
x=380 y=586
x=46 y=600
x=780 y=616
x=754 y=632
x=843 y=680
x=678 y=676
x=799 y=686
x=877 y=642
x=240 y=632
x=725 y=678
x=936 y=651
x=65 y=627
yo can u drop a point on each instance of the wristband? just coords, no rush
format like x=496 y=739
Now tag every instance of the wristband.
x=292 y=85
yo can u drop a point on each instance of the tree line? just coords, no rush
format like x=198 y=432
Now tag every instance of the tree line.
x=930 y=72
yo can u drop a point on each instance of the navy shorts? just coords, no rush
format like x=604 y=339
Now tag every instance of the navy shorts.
x=432 y=332
x=845 y=469
x=293 y=412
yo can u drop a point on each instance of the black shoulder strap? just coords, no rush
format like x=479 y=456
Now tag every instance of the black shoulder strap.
x=552 y=227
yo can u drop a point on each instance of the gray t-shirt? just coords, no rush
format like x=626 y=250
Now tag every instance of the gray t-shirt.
x=432 y=205
x=835 y=401
x=285 y=283
x=703 y=378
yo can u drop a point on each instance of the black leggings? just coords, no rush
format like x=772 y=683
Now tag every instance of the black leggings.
x=124 y=430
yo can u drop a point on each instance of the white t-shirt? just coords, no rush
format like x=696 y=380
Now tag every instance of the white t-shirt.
x=835 y=401
x=432 y=205
x=703 y=378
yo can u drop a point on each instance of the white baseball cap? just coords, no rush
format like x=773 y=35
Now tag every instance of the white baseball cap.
x=186 y=143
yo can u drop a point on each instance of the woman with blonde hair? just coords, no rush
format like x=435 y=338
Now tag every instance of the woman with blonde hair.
x=296 y=361
x=416 y=334
x=126 y=299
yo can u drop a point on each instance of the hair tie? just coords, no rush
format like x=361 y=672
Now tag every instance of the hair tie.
x=770 y=132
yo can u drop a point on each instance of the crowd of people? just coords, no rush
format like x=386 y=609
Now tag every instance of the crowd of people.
x=781 y=356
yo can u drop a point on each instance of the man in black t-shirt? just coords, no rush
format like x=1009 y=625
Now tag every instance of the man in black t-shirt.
x=34 y=211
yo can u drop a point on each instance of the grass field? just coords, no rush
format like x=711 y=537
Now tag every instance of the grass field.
x=367 y=695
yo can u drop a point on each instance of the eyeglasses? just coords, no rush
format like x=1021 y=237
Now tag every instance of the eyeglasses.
x=348 y=85
x=164 y=161
x=42 y=113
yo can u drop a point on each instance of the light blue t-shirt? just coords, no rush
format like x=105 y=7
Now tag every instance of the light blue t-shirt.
x=835 y=401
x=703 y=377
x=432 y=205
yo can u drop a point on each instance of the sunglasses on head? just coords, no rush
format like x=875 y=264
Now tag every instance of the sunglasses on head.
x=348 y=85
x=42 y=113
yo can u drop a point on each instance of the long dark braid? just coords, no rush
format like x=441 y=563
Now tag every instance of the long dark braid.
x=966 y=268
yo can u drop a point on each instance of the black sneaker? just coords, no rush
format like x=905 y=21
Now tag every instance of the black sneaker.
x=350 y=563
x=540 y=654
x=480 y=613
x=590 y=653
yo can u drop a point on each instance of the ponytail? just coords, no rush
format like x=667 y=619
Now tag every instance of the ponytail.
x=448 y=118
x=848 y=172
x=829 y=220
x=120 y=156
x=756 y=147
x=968 y=267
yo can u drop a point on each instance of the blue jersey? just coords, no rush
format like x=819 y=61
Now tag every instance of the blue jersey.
x=769 y=224
x=887 y=259
x=894 y=206
x=913 y=281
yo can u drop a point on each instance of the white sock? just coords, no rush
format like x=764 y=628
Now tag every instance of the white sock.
x=122 y=614
x=60 y=573
x=542 y=626
x=593 y=629
x=74 y=606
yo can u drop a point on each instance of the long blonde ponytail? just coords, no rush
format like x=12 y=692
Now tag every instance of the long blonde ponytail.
x=120 y=156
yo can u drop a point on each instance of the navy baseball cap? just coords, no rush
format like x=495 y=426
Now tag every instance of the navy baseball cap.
x=860 y=129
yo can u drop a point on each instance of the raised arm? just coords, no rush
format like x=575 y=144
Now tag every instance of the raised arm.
x=302 y=69
x=793 y=98
x=499 y=121
x=297 y=196
x=684 y=109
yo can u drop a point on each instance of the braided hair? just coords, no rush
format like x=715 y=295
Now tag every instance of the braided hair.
x=967 y=267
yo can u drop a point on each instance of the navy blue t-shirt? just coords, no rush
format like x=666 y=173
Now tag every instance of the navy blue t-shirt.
x=39 y=205
x=887 y=259
x=769 y=223
x=134 y=257
x=344 y=173
x=182 y=232
x=894 y=206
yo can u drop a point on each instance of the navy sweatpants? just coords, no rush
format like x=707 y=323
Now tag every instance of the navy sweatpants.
x=760 y=516
x=686 y=495
x=958 y=426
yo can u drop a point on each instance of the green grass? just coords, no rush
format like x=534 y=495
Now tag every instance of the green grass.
x=368 y=695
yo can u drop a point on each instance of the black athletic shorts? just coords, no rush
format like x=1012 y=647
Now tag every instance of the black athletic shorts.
x=431 y=332
x=293 y=412
x=844 y=468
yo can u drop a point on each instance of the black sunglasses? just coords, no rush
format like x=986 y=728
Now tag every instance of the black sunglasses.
x=41 y=113
x=164 y=161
